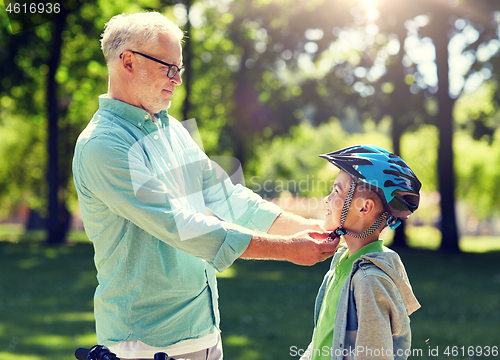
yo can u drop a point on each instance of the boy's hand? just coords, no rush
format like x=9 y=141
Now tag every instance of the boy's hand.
x=309 y=247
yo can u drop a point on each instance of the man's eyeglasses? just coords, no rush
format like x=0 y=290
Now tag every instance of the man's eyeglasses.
x=172 y=69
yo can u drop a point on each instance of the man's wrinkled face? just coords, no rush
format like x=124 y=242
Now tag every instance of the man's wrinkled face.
x=154 y=89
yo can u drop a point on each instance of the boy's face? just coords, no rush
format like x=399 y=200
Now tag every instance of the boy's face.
x=335 y=201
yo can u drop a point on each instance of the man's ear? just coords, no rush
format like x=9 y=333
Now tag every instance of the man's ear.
x=127 y=61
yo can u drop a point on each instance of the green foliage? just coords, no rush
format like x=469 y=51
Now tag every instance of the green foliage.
x=294 y=159
x=479 y=112
x=477 y=149
x=260 y=69
x=290 y=161
x=22 y=159
x=419 y=149
x=212 y=88
x=22 y=124
x=478 y=173
x=81 y=78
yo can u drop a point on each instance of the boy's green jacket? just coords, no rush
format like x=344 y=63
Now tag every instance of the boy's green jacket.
x=372 y=318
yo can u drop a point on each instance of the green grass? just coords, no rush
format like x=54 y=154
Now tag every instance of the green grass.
x=266 y=307
x=16 y=233
x=45 y=300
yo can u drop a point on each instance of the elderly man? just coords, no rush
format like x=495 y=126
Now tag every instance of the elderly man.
x=144 y=186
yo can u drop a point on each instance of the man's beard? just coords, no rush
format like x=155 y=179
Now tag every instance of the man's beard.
x=153 y=103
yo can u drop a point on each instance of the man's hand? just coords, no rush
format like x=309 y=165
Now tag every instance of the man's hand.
x=316 y=225
x=304 y=248
x=289 y=224
x=309 y=247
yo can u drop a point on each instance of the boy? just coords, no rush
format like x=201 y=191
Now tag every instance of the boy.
x=363 y=304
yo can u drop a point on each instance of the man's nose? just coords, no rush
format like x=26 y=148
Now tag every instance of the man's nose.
x=177 y=79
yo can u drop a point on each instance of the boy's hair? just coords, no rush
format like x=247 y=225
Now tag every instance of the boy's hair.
x=367 y=191
x=133 y=31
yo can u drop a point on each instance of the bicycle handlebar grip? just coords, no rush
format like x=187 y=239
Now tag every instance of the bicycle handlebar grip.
x=97 y=352
x=161 y=356
x=81 y=354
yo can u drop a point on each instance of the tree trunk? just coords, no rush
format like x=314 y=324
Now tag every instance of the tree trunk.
x=446 y=174
x=399 y=234
x=57 y=224
x=188 y=54
x=399 y=120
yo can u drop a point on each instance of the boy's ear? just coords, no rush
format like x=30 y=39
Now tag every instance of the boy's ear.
x=368 y=207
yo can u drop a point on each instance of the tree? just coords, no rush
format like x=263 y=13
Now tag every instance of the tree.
x=57 y=223
x=187 y=59
x=402 y=88
x=22 y=116
x=410 y=16
x=258 y=68
x=481 y=18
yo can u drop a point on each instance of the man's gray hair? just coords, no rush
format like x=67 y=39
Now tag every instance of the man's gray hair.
x=133 y=31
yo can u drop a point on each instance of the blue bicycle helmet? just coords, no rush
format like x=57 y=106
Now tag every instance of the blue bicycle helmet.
x=387 y=174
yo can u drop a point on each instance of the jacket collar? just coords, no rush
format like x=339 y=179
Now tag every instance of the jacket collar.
x=390 y=263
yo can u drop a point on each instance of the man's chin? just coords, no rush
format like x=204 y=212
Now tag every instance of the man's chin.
x=160 y=107
x=166 y=104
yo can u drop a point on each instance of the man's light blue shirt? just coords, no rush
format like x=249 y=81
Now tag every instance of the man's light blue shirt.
x=143 y=197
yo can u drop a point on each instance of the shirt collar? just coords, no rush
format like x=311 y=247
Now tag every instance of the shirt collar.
x=345 y=264
x=130 y=113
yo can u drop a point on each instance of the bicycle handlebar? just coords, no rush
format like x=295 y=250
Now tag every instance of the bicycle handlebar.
x=100 y=352
x=97 y=352
x=81 y=354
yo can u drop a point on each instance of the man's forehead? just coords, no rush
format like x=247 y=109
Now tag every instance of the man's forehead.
x=168 y=48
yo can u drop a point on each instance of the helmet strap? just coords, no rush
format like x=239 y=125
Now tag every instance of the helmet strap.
x=343 y=215
x=371 y=229
x=345 y=209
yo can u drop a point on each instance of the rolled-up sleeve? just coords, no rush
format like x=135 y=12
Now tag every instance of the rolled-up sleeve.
x=119 y=177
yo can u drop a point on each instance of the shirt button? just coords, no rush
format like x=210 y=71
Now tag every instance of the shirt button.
x=155 y=137
x=146 y=116
x=169 y=164
x=139 y=123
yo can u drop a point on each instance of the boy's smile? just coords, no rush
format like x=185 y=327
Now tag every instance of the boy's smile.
x=335 y=201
